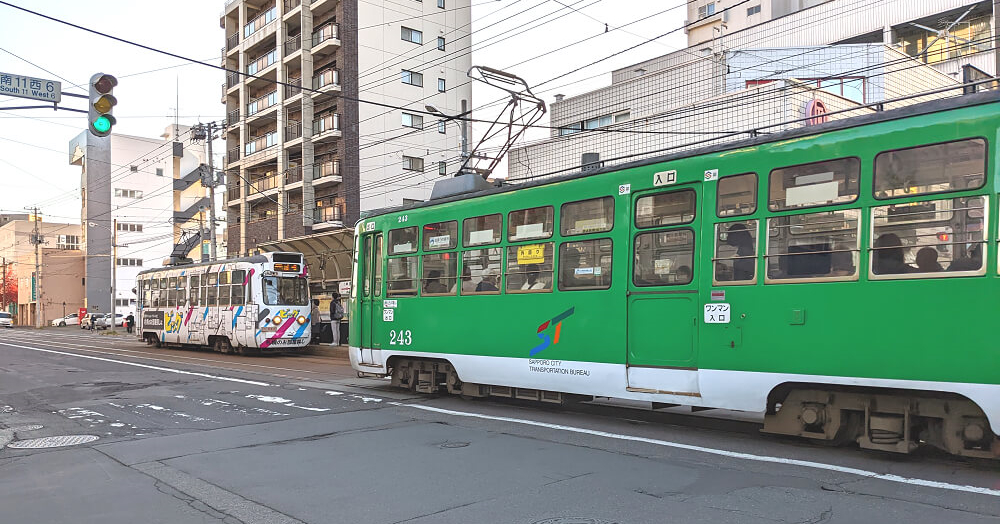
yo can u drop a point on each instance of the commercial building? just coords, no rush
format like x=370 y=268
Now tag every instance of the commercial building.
x=317 y=129
x=151 y=192
x=762 y=71
x=61 y=264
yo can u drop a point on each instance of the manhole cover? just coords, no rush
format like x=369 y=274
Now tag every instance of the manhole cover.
x=573 y=520
x=454 y=445
x=30 y=427
x=52 y=442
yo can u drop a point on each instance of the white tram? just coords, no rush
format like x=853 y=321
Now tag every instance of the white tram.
x=252 y=304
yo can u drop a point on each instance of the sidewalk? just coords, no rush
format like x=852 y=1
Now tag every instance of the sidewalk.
x=327 y=350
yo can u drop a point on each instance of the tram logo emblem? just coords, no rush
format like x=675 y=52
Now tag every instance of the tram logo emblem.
x=173 y=322
x=546 y=340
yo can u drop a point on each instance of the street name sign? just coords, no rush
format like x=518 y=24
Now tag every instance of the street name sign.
x=29 y=87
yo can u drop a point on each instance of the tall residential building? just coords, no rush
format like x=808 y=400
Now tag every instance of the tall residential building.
x=752 y=71
x=332 y=120
x=153 y=190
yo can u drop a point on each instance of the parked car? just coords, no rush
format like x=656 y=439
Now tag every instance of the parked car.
x=105 y=321
x=71 y=319
x=85 y=323
x=6 y=319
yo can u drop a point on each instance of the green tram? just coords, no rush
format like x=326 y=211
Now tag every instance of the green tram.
x=839 y=277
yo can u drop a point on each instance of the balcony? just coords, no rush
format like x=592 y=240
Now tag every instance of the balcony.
x=331 y=215
x=232 y=41
x=294 y=89
x=233 y=193
x=293 y=130
x=260 y=143
x=232 y=80
x=293 y=44
x=260 y=21
x=261 y=103
x=326 y=127
x=266 y=183
x=263 y=62
x=233 y=118
x=291 y=4
x=325 y=39
x=233 y=155
x=293 y=175
x=330 y=168
x=326 y=80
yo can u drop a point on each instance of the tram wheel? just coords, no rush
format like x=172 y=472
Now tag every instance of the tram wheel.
x=222 y=345
x=153 y=340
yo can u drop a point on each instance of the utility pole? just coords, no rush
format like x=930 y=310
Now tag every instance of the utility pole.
x=211 y=190
x=114 y=273
x=4 y=300
x=36 y=239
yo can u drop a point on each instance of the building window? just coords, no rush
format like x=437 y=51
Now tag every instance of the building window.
x=441 y=126
x=753 y=10
x=128 y=193
x=413 y=78
x=130 y=262
x=68 y=242
x=706 y=10
x=125 y=226
x=412 y=163
x=441 y=85
x=411 y=35
x=414 y=121
x=442 y=168
x=159 y=171
x=440 y=43
x=441 y=4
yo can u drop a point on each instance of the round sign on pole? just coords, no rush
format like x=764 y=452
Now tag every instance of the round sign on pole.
x=816 y=111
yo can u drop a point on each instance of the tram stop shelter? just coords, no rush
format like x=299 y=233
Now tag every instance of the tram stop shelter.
x=330 y=257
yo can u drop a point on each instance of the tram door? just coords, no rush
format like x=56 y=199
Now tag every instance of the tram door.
x=371 y=296
x=662 y=292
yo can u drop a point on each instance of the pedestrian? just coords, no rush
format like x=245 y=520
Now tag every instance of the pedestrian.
x=129 y=322
x=336 y=315
x=93 y=321
x=316 y=321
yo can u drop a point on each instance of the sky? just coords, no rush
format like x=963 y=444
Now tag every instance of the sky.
x=518 y=36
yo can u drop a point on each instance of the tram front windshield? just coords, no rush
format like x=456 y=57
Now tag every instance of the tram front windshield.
x=286 y=291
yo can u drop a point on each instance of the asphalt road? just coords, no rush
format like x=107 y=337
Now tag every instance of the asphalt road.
x=185 y=437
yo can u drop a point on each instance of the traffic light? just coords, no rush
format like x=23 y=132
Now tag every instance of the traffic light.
x=102 y=101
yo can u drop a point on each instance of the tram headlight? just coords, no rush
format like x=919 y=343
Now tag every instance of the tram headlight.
x=276 y=320
x=301 y=319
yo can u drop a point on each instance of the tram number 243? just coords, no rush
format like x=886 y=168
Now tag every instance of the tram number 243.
x=400 y=338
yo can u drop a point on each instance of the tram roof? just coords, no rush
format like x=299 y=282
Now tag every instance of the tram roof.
x=254 y=259
x=924 y=108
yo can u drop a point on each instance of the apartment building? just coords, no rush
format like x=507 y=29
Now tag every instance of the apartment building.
x=61 y=262
x=152 y=194
x=758 y=70
x=328 y=117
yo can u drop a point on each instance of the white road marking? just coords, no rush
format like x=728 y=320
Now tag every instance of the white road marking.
x=722 y=452
x=138 y=365
x=284 y=402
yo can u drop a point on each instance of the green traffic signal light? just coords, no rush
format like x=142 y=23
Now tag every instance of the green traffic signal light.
x=102 y=124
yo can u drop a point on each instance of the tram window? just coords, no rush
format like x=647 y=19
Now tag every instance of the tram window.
x=223 y=278
x=936 y=238
x=481 y=231
x=237 y=277
x=154 y=283
x=368 y=265
x=163 y=283
x=285 y=291
x=440 y=276
x=378 y=265
x=937 y=168
x=213 y=293
x=403 y=240
x=736 y=252
x=195 y=290
x=238 y=297
x=154 y=298
x=736 y=195
x=664 y=209
x=481 y=270
x=213 y=279
x=402 y=277
x=529 y=267
x=817 y=184
x=596 y=215
x=529 y=224
x=223 y=295
x=664 y=258
x=585 y=264
x=813 y=246
x=441 y=235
